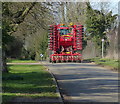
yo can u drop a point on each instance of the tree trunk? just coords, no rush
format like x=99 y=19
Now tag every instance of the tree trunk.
x=4 y=65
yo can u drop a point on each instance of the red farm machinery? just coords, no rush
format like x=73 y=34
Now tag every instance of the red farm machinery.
x=65 y=42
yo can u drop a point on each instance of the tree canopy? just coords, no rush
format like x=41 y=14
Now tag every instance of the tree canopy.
x=97 y=23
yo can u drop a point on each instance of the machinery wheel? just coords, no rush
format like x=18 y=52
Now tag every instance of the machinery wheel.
x=59 y=61
x=50 y=60
x=79 y=61
x=74 y=61
x=54 y=61
x=64 y=61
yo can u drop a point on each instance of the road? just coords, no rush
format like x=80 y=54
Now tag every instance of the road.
x=85 y=82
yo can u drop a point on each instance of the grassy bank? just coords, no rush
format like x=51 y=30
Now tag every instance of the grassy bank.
x=113 y=64
x=31 y=81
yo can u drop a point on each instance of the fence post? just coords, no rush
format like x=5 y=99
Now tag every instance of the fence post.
x=102 y=48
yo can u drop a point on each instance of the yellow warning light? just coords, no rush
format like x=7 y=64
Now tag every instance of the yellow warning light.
x=67 y=52
x=62 y=24
x=71 y=24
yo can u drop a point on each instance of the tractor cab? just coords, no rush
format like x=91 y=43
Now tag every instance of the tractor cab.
x=63 y=31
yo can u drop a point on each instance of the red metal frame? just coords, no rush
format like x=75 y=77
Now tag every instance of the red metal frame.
x=73 y=39
x=66 y=57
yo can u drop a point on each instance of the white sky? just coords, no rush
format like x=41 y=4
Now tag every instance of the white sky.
x=112 y=6
x=104 y=0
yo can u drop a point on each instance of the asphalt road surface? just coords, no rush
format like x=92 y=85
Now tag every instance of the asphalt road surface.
x=85 y=82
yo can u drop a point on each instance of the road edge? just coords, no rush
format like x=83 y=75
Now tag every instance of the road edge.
x=58 y=89
x=61 y=101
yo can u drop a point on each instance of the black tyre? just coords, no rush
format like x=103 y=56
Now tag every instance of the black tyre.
x=79 y=61
x=54 y=61
x=50 y=60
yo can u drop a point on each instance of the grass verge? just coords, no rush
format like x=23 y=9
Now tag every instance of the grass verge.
x=27 y=81
x=113 y=64
x=20 y=61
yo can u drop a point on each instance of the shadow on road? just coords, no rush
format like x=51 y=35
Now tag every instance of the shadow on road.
x=86 y=82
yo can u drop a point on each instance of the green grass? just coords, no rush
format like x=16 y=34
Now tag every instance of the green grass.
x=20 y=61
x=27 y=81
x=106 y=62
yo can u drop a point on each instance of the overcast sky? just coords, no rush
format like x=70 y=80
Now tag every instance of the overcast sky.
x=113 y=5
